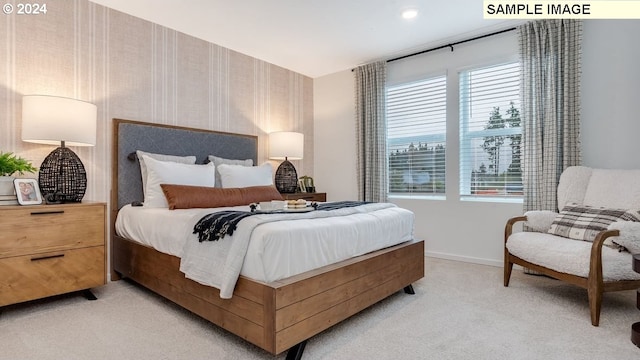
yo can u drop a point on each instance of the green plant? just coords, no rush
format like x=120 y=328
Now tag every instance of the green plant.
x=10 y=164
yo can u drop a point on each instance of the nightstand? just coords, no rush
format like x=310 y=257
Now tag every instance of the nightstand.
x=49 y=250
x=318 y=196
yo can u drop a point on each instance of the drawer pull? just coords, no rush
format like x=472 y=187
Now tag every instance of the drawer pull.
x=47 y=257
x=47 y=212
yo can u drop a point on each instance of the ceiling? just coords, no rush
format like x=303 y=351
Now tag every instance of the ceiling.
x=320 y=37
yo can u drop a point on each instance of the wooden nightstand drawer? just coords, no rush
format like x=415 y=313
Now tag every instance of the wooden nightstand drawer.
x=35 y=276
x=46 y=228
x=322 y=197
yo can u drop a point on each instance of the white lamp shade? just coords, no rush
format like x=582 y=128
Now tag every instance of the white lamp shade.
x=50 y=120
x=286 y=145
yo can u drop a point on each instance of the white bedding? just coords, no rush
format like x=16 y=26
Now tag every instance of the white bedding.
x=276 y=250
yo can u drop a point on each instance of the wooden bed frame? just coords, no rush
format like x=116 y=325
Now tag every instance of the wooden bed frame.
x=274 y=316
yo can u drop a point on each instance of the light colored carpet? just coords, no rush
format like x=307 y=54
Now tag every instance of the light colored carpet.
x=460 y=311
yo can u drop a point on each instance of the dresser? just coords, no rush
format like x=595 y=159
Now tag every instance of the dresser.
x=48 y=250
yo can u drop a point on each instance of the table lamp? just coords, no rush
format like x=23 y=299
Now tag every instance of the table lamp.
x=285 y=145
x=53 y=120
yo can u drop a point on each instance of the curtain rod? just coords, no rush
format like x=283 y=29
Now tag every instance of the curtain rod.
x=451 y=45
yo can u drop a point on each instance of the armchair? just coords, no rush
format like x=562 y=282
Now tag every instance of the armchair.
x=583 y=244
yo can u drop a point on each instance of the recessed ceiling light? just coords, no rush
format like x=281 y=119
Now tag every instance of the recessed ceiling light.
x=409 y=14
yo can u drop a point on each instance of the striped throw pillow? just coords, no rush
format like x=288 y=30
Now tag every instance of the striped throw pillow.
x=583 y=222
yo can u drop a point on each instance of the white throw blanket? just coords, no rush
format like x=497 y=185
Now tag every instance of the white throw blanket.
x=218 y=263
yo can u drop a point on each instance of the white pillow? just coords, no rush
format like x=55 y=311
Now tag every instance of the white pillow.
x=238 y=176
x=168 y=172
x=161 y=157
x=217 y=161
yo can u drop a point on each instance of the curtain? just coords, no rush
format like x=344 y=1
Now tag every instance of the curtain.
x=371 y=131
x=550 y=52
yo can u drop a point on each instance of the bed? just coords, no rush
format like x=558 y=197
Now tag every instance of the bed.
x=276 y=315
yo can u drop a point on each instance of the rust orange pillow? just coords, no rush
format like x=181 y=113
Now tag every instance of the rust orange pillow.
x=188 y=197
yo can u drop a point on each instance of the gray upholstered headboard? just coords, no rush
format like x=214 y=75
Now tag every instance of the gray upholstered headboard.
x=129 y=136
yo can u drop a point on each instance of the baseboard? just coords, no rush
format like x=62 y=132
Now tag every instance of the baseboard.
x=497 y=263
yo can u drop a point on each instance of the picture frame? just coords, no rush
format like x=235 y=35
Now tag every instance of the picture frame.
x=301 y=186
x=27 y=191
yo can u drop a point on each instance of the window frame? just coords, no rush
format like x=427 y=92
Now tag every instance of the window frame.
x=466 y=136
x=427 y=138
x=484 y=52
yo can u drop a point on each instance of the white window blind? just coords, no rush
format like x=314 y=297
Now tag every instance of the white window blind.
x=416 y=136
x=490 y=131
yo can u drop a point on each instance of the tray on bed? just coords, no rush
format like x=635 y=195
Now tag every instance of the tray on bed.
x=285 y=210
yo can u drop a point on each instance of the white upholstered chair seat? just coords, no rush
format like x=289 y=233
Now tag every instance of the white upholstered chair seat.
x=570 y=256
x=591 y=265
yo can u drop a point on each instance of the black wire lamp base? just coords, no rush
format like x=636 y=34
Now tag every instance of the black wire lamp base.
x=62 y=177
x=286 y=178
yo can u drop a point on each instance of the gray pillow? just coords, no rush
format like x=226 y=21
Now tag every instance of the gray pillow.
x=583 y=222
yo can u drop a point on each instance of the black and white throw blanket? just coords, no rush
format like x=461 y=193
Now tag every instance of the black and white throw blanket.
x=218 y=263
x=215 y=226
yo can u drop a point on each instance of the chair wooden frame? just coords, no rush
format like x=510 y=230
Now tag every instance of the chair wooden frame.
x=594 y=283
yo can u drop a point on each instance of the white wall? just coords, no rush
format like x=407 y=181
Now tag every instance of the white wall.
x=334 y=136
x=473 y=231
x=611 y=94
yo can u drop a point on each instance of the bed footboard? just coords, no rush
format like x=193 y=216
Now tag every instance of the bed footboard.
x=279 y=315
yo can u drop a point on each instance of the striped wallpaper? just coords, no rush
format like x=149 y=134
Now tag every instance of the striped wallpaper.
x=134 y=69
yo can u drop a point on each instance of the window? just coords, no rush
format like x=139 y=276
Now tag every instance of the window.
x=416 y=136
x=490 y=131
